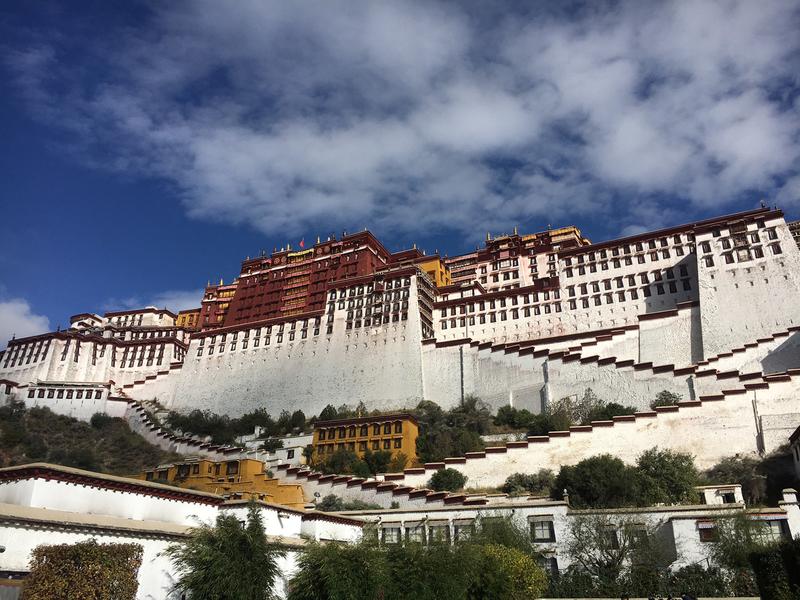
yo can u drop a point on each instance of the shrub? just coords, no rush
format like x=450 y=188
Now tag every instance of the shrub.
x=84 y=570
x=100 y=420
x=606 y=412
x=777 y=570
x=333 y=503
x=447 y=480
x=271 y=445
x=665 y=398
x=532 y=483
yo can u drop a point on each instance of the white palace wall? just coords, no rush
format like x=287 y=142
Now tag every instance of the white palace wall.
x=743 y=301
x=497 y=378
x=381 y=366
x=672 y=340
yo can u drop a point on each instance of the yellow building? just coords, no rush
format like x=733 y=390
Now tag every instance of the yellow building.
x=245 y=478
x=435 y=268
x=396 y=433
x=188 y=319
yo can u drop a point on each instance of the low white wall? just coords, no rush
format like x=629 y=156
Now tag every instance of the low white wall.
x=710 y=431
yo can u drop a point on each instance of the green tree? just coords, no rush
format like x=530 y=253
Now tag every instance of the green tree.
x=284 y=422
x=453 y=433
x=472 y=415
x=271 y=445
x=378 y=461
x=328 y=413
x=227 y=561
x=602 y=481
x=603 y=548
x=666 y=476
x=341 y=461
x=398 y=463
x=447 y=480
x=297 y=421
x=470 y=570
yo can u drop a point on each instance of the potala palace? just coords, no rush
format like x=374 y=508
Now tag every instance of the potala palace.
x=707 y=310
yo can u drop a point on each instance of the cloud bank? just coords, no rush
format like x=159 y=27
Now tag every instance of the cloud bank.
x=18 y=319
x=420 y=116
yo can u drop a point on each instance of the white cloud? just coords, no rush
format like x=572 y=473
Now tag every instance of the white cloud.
x=18 y=319
x=351 y=115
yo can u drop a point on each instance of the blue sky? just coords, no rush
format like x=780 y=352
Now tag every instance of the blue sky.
x=146 y=148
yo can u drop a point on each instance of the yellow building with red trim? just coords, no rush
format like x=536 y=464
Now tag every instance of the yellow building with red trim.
x=234 y=479
x=395 y=433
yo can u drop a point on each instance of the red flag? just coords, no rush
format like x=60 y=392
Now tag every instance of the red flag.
x=303 y=243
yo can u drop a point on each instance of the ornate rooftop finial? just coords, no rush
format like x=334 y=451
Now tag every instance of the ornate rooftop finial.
x=515 y=230
x=488 y=236
x=415 y=245
x=318 y=241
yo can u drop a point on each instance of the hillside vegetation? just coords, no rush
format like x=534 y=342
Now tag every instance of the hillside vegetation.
x=106 y=445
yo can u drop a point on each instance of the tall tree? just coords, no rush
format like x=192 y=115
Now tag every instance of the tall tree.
x=228 y=561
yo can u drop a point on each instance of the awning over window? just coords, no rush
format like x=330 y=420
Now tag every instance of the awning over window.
x=540 y=518
x=438 y=523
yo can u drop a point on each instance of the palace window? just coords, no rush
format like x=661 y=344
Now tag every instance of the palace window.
x=542 y=530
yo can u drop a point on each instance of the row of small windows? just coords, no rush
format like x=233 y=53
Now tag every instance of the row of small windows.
x=362 y=289
x=386 y=444
x=598 y=300
x=234 y=342
x=743 y=254
x=541 y=531
x=738 y=240
x=616 y=263
x=620 y=282
x=377 y=320
x=628 y=249
x=502 y=315
x=68 y=394
x=503 y=302
x=370 y=300
x=363 y=430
